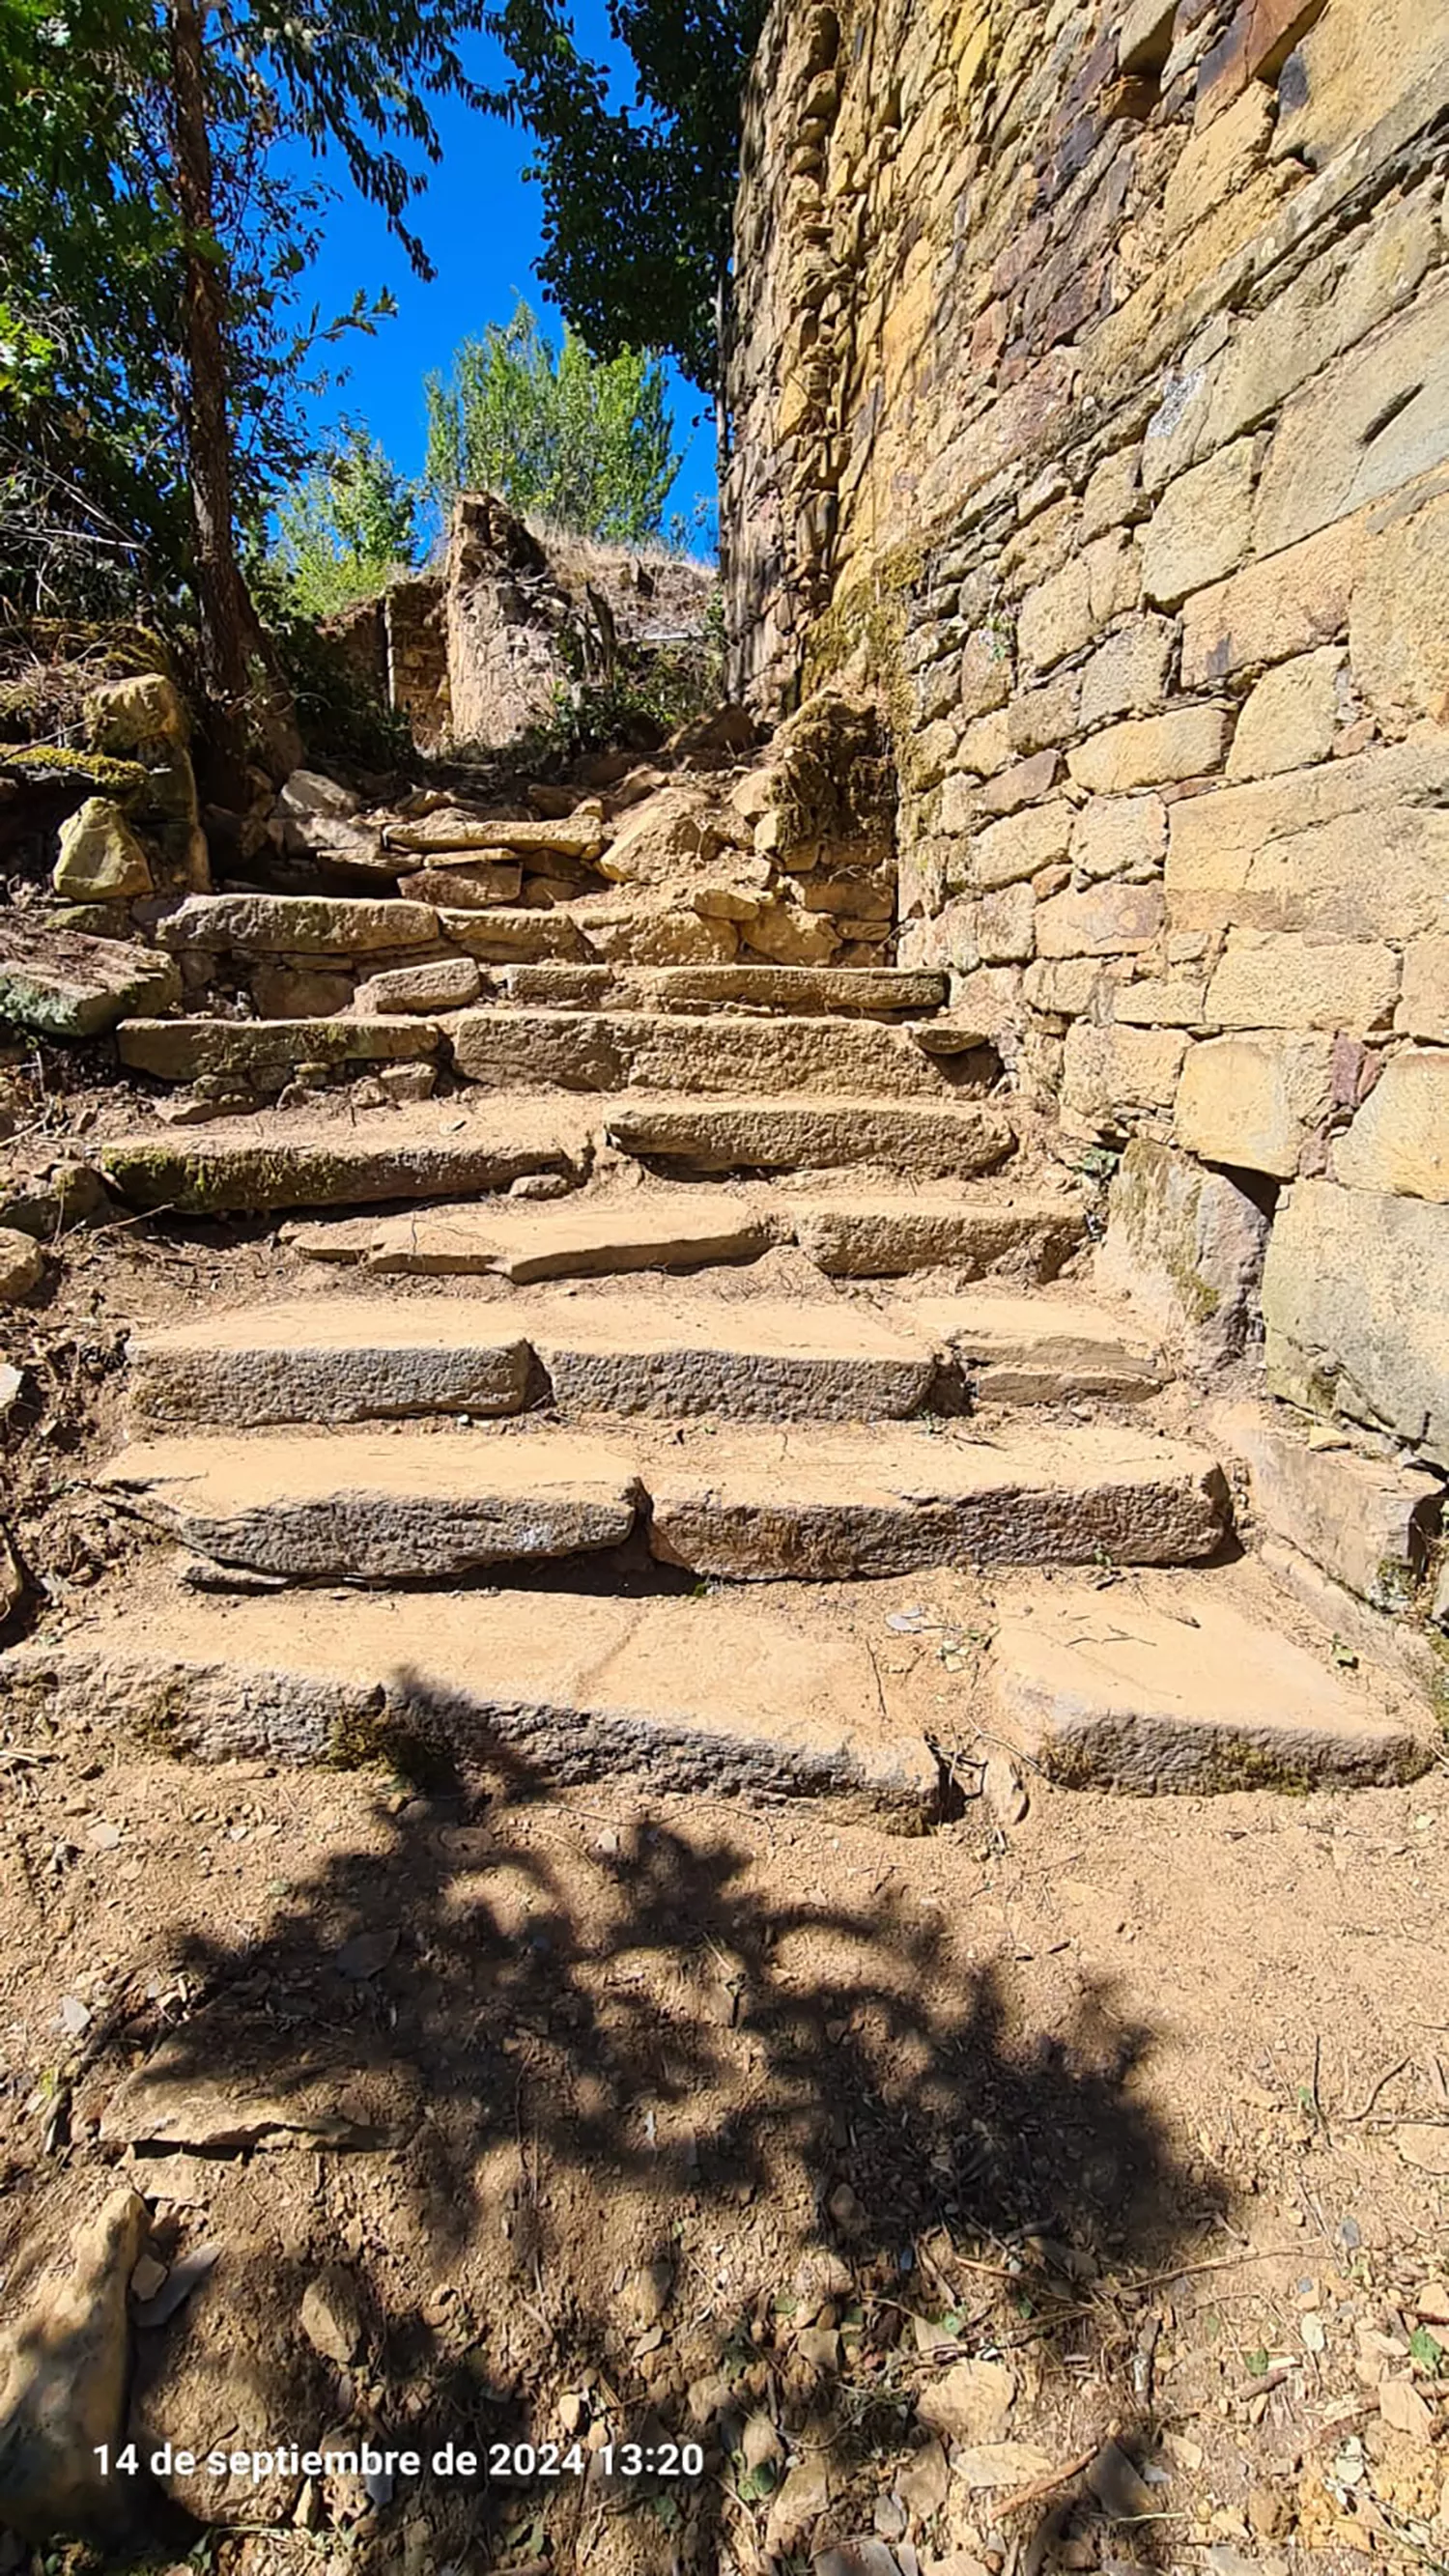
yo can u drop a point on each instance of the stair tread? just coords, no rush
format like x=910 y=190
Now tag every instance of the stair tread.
x=717 y=1695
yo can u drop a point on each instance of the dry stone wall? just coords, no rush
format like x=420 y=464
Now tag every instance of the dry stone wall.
x=1092 y=383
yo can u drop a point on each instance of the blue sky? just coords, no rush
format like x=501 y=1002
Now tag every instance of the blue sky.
x=480 y=222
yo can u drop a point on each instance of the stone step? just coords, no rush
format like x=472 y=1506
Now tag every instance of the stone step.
x=687 y=1228
x=941 y=1140
x=1132 y=1687
x=742 y=1503
x=800 y=992
x=717 y=1696
x=265 y=1054
x=275 y=1161
x=1038 y=1350
x=293 y=925
x=513 y=1049
x=343 y=1359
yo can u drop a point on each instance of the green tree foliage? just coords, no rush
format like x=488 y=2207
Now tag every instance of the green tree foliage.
x=638 y=199
x=581 y=441
x=347 y=529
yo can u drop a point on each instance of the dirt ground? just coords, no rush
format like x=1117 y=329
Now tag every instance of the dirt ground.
x=903 y=2177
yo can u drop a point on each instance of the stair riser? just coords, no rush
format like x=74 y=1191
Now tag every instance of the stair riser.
x=200 y=1180
x=916 y=1139
x=518 y=1050
x=794 y=992
x=263 y=1055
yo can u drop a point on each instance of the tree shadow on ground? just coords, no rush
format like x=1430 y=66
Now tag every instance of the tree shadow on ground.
x=613 y=2117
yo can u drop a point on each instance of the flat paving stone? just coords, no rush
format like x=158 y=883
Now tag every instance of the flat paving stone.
x=1137 y=1688
x=880 y=1238
x=294 y=925
x=572 y=1241
x=933 y=1139
x=278 y=1161
x=715 y=1696
x=1040 y=1350
x=266 y=1053
x=331 y=1360
x=510 y=1048
x=750 y=1358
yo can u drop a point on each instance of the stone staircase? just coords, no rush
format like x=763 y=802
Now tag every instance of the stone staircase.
x=625 y=1386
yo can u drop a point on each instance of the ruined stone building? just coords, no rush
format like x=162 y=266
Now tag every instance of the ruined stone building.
x=1092 y=381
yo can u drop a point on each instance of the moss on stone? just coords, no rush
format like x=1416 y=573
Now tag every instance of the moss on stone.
x=41 y=762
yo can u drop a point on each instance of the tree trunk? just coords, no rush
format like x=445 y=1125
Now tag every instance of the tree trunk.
x=722 y=436
x=227 y=617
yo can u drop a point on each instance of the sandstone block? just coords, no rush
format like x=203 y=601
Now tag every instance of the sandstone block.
x=271 y=1162
x=1374 y=420
x=1399 y=625
x=1288 y=604
x=1067 y=986
x=1290 y=718
x=1219 y=159
x=579 y=837
x=266 y=1053
x=986 y=745
x=22 y=1265
x=1006 y=926
x=1114 y=574
x=987 y=677
x=443 y=984
x=64 y=985
x=470 y=889
x=1424 y=1004
x=1367 y=1523
x=1399 y=1140
x=1288 y=853
x=1037 y=1350
x=1186 y=1247
x=1128 y=675
x=937 y=1141
x=976 y=1237
x=64 y=2371
x=1115 y=491
x=1104 y=921
x=1281 y=980
x=1020 y=844
x=1038 y=718
x=294 y=925
x=1355 y=1297
x=1024 y=783
x=1254 y=1102
x=330 y=1360
x=282 y=992
x=790 y=936
x=1201 y=528
x=688 y=1229
x=1186 y=743
x=1161 y=1002
x=1119 y=836
x=142 y=713
x=1056 y=618
x=1110 y=1072
x=749 y=1359
x=506 y=938
x=1351 y=70
x=101 y=860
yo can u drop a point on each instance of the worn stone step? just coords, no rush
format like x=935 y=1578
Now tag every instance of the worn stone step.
x=691 y=1226
x=293 y=925
x=265 y=1054
x=894 y=1499
x=718 y=1696
x=374 y=1507
x=513 y=1049
x=800 y=992
x=1137 y=1687
x=275 y=1161
x=880 y=1238
x=742 y=1503
x=690 y=1229
x=943 y=1140
x=1040 y=1350
x=345 y=1359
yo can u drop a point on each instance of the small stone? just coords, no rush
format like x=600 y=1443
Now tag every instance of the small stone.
x=74 y=2016
x=539 y=1185
x=760 y=2443
x=845 y=2209
x=101 y=860
x=1431 y=2304
x=366 y=1953
x=331 y=2316
x=1122 y=2494
x=22 y=1265
x=148 y=2278
x=648 y=2291
x=64 y=2369
x=12 y=1387
x=409 y=1082
x=972 y=2403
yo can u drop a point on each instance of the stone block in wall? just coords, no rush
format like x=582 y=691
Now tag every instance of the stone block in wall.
x=1366 y=1522
x=1111 y=1073
x=1201 y=527
x=1056 y=619
x=1114 y=576
x=1399 y=624
x=1105 y=920
x=1354 y=67
x=1186 y=1247
x=986 y=675
x=1287 y=604
x=1065 y=986
x=1219 y=160
x=986 y=745
x=1128 y=675
x=1120 y=836
x=1290 y=718
x=1026 y=782
x=1255 y=1103
x=1372 y=422
x=1399 y=1140
x=1038 y=718
x=1289 y=853
x=283 y=992
x=1187 y=742
x=1006 y=926
x=1423 y=1010
x=1161 y=1002
x=1356 y=1310
x=1284 y=980
x=1021 y=843
x=1113 y=494
x=1145 y=36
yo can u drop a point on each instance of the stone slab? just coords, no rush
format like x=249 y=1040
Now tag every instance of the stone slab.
x=516 y=1050
x=1133 y=1688
x=831 y=1506
x=330 y=1360
x=63 y=984
x=294 y=925
x=276 y=1162
x=266 y=1053
x=1365 y=1521
x=689 y=1230
x=883 y=1238
x=1040 y=1350
x=374 y=1508
x=505 y=938
x=1356 y=1310
x=800 y=991
x=749 y=1358
x=715 y=1696
x=935 y=1141
x=1399 y=1140
x=445 y=835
